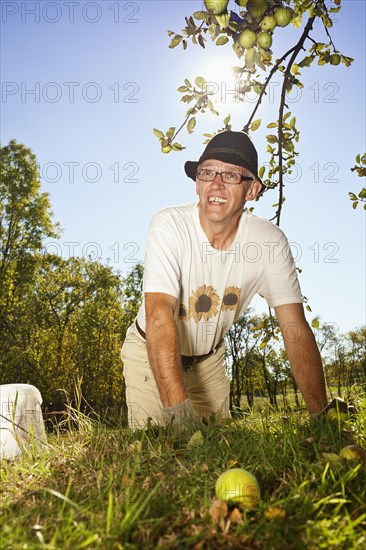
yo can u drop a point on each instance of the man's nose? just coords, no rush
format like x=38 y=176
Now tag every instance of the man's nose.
x=218 y=181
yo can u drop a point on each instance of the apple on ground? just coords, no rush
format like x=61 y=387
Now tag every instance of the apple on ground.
x=353 y=452
x=238 y=486
x=334 y=414
x=196 y=440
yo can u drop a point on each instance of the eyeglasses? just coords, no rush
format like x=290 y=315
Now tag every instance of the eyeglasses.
x=233 y=178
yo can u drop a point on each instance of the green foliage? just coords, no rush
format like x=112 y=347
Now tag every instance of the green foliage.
x=360 y=169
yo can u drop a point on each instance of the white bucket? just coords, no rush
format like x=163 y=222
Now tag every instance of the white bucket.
x=21 y=420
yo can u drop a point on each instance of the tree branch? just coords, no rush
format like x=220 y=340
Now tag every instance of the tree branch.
x=296 y=50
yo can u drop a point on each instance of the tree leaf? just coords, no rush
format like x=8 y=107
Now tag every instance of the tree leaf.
x=191 y=124
x=175 y=41
x=201 y=41
x=200 y=15
x=255 y=124
x=296 y=21
x=177 y=147
x=223 y=20
x=200 y=81
x=222 y=40
x=170 y=133
x=315 y=322
x=158 y=133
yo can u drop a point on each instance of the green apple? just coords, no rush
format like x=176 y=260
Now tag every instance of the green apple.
x=166 y=149
x=335 y=413
x=247 y=39
x=264 y=40
x=353 y=452
x=216 y=6
x=257 y=8
x=196 y=440
x=242 y=3
x=283 y=16
x=268 y=23
x=335 y=59
x=238 y=486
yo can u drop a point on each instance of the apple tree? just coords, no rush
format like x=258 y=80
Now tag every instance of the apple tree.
x=250 y=27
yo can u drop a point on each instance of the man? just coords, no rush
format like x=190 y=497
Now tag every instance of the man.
x=204 y=262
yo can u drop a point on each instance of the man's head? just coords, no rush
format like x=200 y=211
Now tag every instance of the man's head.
x=233 y=148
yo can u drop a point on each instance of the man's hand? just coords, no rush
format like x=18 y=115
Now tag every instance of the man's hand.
x=182 y=416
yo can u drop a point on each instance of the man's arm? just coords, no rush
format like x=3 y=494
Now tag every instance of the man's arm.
x=304 y=356
x=163 y=347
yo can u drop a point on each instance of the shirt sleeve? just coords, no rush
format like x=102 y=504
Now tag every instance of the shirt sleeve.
x=162 y=271
x=280 y=284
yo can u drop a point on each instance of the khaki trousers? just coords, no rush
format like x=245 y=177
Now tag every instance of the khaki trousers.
x=207 y=384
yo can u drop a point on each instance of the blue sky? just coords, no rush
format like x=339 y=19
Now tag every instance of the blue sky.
x=85 y=82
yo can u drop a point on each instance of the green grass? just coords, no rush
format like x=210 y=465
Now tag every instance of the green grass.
x=104 y=487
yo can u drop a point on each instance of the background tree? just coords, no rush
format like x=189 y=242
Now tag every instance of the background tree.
x=242 y=359
x=62 y=321
x=25 y=220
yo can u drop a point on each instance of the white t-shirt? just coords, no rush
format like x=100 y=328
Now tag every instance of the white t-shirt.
x=214 y=287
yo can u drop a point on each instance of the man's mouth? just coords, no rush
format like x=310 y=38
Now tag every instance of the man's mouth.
x=216 y=200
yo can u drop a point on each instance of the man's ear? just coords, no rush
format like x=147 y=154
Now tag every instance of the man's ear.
x=253 y=190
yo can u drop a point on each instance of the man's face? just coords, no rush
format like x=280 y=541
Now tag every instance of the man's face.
x=219 y=201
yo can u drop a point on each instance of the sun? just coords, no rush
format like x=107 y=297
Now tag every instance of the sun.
x=217 y=71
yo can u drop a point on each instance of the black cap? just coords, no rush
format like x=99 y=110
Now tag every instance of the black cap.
x=231 y=147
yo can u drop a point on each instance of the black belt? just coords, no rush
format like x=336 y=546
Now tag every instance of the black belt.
x=187 y=360
x=139 y=329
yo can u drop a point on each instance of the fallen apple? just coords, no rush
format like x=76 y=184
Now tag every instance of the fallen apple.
x=335 y=414
x=238 y=486
x=353 y=452
x=196 y=440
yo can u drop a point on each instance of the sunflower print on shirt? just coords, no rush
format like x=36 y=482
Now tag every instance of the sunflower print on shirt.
x=231 y=297
x=203 y=304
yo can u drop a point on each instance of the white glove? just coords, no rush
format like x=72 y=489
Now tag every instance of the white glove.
x=182 y=416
